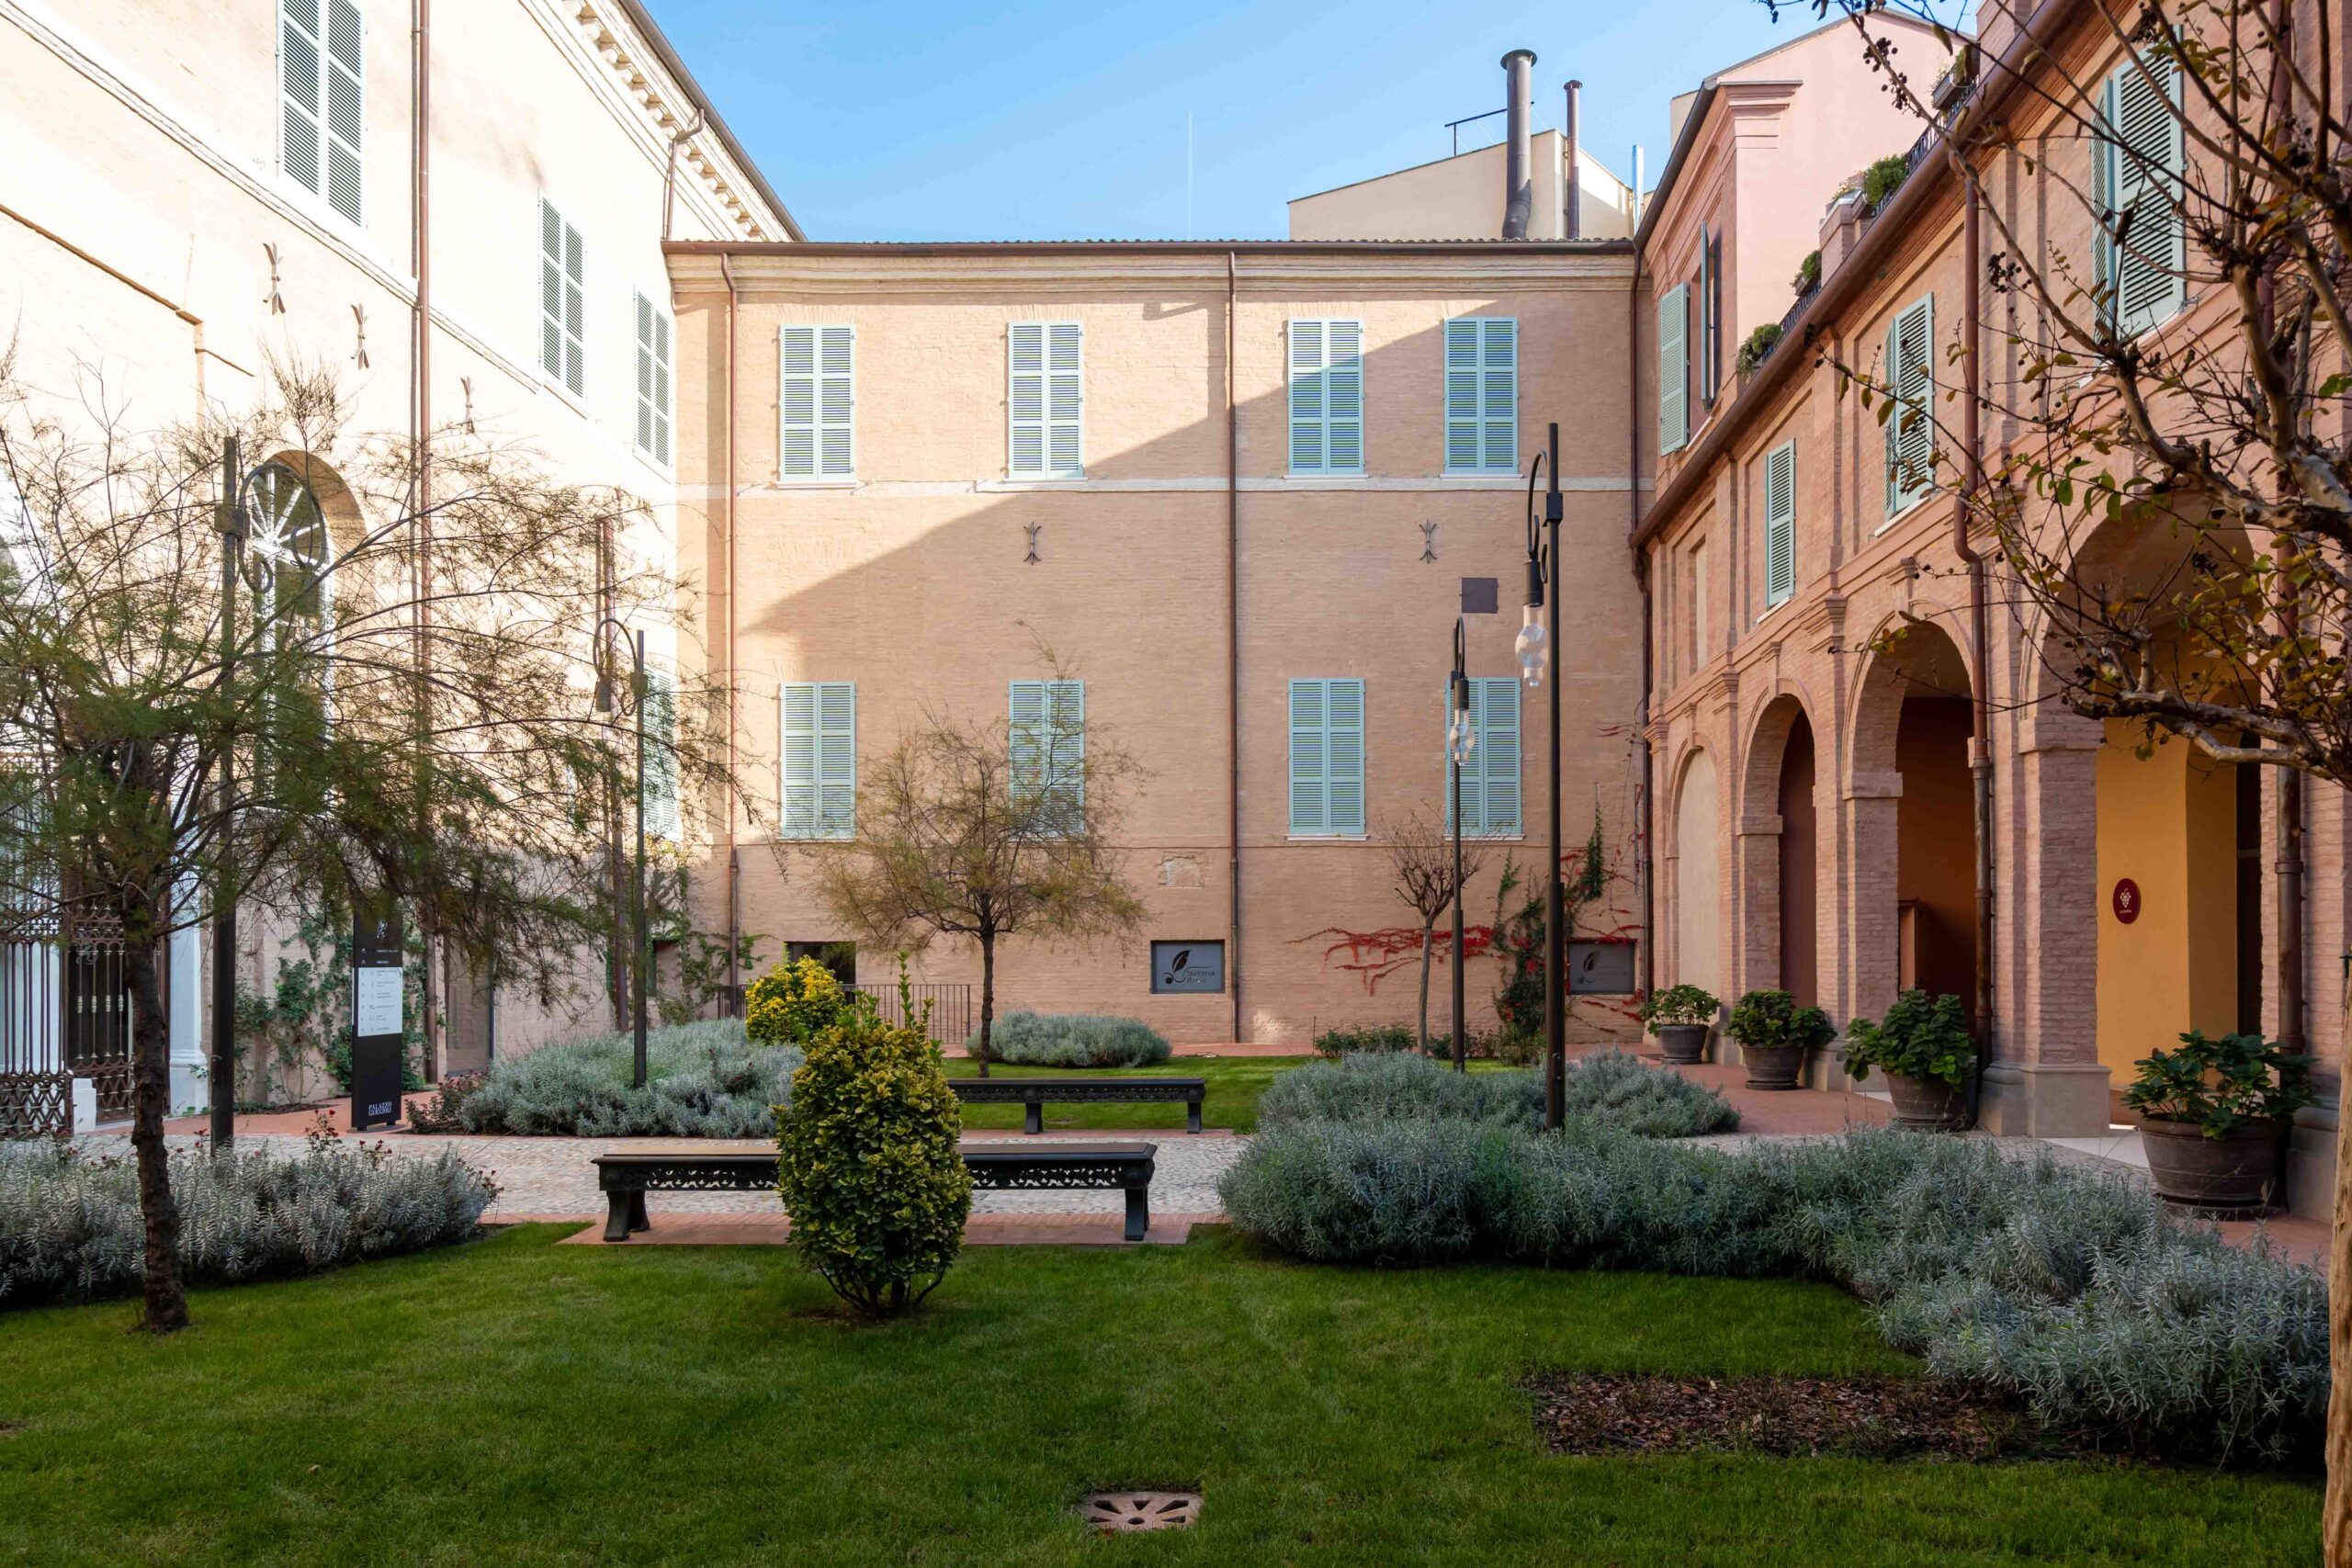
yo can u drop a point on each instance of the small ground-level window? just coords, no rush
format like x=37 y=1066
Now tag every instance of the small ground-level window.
x=841 y=957
x=1182 y=968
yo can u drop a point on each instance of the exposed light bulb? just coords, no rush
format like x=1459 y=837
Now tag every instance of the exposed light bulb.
x=1532 y=646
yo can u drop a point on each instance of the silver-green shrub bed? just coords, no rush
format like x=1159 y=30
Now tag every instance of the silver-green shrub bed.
x=2073 y=1291
x=703 y=1080
x=70 y=1226
x=1071 y=1040
x=1621 y=1089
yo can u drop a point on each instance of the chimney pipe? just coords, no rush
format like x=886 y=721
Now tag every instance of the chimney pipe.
x=1519 y=194
x=1575 y=126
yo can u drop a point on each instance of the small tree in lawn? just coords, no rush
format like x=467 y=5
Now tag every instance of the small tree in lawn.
x=990 y=831
x=1420 y=865
x=362 y=719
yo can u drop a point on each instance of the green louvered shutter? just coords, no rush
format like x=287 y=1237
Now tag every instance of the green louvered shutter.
x=563 y=271
x=1482 y=395
x=1490 y=779
x=819 y=403
x=1325 y=397
x=2139 y=176
x=1674 y=368
x=1327 y=789
x=661 y=802
x=1047 y=720
x=1044 y=397
x=1779 y=523
x=653 y=406
x=1307 y=423
x=819 y=760
x=1910 y=427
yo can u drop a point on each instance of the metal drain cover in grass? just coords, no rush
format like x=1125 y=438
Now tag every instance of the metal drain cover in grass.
x=1116 y=1512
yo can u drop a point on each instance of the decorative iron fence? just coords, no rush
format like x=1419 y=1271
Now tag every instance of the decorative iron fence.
x=64 y=1013
x=949 y=1009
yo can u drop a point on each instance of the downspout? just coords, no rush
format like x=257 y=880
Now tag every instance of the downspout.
x=420 y=434
x=734 y=860
x=1649 y=861
x=669 y=177
x=2288 y=868
x=1980 y=738
x=1233 y=643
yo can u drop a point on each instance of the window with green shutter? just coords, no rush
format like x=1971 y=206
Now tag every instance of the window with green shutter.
x=653 y=405
x=2138 y=169
x=1327 y=758
x=1910 y=432
x=819 y=789
x=660 y=785
x=564 y=269
x=1045 y=399
x=1674 y=368
x=322 y=101
x=1780 y=524
x=1490 y=790
x=1047 y=731
x=1482 y=395
x=1325 y=397
x=819 y=402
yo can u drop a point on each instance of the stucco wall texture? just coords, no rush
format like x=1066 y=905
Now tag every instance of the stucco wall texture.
x=913 y=581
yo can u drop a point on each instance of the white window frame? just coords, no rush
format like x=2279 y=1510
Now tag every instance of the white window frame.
x=830 y=399
x=570 y=370
x=1045 y=422
x=320 y=114
x=656 y=431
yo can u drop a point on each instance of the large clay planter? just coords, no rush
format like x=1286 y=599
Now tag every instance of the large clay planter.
x=1928 y=1105
x=1683 y=1043
x=1773 y=1066
x=2236 y=1172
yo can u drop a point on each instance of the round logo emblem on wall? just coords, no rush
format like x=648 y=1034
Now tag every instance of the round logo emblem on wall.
x=2126 y=900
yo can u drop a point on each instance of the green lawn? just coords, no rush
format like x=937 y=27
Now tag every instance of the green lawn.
x=512 y=1401
x=1234 y=1085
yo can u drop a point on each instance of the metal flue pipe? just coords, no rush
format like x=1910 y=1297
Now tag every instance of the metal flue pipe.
x=1519 y=190
x=1573 y=132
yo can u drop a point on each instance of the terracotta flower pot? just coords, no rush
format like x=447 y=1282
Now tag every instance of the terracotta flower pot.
x=2240 y=1170
x=1684 y=1042
x=1928 y=1105
x=1773 y=1066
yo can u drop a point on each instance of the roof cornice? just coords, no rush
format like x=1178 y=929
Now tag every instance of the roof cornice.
x=1495 y=264
x=612 y=28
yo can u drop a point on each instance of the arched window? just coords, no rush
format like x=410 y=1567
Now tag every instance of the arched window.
x=287 y=546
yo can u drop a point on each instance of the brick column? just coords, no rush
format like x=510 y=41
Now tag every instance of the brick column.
x=2046 y=1080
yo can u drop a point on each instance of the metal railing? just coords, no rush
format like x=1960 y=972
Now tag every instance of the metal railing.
x=949 y=1009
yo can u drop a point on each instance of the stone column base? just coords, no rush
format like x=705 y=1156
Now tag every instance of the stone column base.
x=2044 y=1099
x=2311 y=1162
x=191 y=1087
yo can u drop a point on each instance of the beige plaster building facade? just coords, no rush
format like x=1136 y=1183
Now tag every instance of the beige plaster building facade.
x=458 y=211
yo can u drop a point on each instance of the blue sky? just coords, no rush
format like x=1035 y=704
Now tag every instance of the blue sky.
x=1065 y=119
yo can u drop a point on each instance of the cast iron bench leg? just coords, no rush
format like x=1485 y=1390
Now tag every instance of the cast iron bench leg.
x=637 y=1220
x=1033 y=1116
x=1138 y=1211
x=1192 y=1116
x=618 y=1207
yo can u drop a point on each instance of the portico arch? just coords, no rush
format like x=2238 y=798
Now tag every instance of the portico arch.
x=1778 y=852
x=1697 y=879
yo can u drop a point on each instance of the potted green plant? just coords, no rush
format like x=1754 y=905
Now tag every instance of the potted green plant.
x=1923 y=1047
x=1774 y=1033
x=2214 y=1117
x=1679 y=1017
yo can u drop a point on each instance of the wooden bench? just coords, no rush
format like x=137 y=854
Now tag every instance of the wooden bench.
x=625 y=1178
x=1032 y=1095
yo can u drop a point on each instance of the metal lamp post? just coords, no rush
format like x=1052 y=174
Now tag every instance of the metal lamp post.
x=1536 y=640
x=640 y=963
x=1461 y=741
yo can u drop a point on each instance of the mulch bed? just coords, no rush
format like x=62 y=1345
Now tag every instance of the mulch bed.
x=1863 y=1417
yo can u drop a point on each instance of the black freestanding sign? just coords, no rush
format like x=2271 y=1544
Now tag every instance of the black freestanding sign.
x=376 y=974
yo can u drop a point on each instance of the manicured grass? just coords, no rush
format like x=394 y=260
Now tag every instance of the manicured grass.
x=1234 y=1085
x=514 y=1402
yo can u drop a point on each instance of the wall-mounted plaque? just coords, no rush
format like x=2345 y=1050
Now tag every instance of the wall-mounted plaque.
x=1600 y=968
x=1187 y=969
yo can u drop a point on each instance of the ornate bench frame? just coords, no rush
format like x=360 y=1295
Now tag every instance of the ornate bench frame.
x=1032 y=1095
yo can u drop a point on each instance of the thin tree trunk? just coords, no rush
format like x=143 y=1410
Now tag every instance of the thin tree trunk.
x=163 y=1302
x=988 y=999
x=2335 y=1514
x=1428 y=927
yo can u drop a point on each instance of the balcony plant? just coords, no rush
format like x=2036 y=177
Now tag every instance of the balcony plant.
x=1681 y=1016
x=1758 y=347
x=1922 y=1045
x=1774 y=1033
x=2214 y=1117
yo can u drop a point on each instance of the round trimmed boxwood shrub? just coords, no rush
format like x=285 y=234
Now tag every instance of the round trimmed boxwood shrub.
x=1071 y=1040
x=868 y=1167
x=792 y=1003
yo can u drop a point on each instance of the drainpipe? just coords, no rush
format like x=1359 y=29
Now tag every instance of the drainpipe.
x=1519 y=195
x=1980 y=739
x=420 y=435
x=669 y=177
x=1574 y=227
x=1233 y=645
x=2288 y=869
x=1649 y=861
x=734 y=860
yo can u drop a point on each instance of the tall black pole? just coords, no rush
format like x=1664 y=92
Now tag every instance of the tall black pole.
x=220 y=1076
x=643 y=963
x=1454 y=763
x=1555 y=936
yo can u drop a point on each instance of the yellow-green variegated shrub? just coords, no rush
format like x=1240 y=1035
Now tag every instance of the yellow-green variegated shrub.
x=870 y=1169
x=792 y=1003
